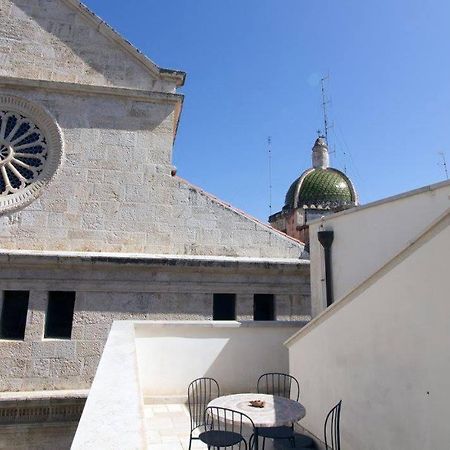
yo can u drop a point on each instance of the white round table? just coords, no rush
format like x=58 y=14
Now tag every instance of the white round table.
x=277 y=411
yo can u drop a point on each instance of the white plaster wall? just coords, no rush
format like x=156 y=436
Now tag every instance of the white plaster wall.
x=366 y=238
x=171 y=355
x=49 y=40
x=385 y=352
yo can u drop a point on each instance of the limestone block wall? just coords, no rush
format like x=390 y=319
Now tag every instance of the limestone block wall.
x=52 y=40
x=44 y=435
x=120 y=288
x=114 y=191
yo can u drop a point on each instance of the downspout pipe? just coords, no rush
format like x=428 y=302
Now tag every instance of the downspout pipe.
x=326 y=239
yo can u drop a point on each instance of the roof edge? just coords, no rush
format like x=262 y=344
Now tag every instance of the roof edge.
x=176 y=76
x=170 y=260
x=90 y=89
x=241 y=213
x=393 y=198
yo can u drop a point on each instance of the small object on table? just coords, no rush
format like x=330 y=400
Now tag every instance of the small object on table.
x=257 y=403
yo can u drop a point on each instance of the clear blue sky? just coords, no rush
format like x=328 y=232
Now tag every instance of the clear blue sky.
x=253 y=70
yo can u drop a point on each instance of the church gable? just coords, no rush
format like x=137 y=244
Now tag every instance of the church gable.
x=61 y=40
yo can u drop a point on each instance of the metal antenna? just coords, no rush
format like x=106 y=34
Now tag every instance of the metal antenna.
x=325 y=102
x=269 y=148
x=444 y=164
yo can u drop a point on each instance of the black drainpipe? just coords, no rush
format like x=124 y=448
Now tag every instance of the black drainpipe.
x=326 y=239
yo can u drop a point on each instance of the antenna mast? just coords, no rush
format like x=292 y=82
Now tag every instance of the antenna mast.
x=444 y=164
x=325 y=102
x=269 y=148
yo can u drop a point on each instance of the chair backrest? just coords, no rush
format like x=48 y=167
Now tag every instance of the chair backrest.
x=200 y=392
x=331 y=429
x=280 y=384
x=224 y=419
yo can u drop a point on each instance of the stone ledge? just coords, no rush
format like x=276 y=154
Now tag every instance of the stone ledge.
x=43 y=395
x=41 y=406
x=140 y=325
x=89 y=89
x=39 y=257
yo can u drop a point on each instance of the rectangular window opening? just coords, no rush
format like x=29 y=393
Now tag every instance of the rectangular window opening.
x=224 y=307
x=14 y=314
x=263 y=307
x=58 y=320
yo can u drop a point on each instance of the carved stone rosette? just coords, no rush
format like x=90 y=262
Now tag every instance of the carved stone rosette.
x=31 y=147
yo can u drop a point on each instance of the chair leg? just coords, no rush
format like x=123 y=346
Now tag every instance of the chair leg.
x=190 y=441
x=264 y=443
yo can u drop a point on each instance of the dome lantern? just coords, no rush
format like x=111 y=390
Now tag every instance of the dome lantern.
x=320 y=155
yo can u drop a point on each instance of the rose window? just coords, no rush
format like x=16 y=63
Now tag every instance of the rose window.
x=30 y=151
x=23 y=151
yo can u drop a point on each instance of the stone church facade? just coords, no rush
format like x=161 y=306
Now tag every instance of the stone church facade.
x=94 y=225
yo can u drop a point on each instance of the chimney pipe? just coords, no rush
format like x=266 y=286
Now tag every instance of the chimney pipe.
x=326 y=239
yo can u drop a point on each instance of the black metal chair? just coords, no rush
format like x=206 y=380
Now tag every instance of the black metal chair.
x=225 y=428
x=282 y=385
x=331 y=428
x=200 y=392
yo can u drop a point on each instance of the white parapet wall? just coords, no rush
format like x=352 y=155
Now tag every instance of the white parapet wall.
x=154 y=361
x=172 y=354
x=368 y=236
x=384 y=350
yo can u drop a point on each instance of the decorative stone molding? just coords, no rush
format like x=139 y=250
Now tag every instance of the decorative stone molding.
x=31 y=147
x=42 y=408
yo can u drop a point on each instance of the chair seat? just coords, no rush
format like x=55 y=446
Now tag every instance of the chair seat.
x=302 y=442
x=297 y=448
x=218 y=438
x=276 y=432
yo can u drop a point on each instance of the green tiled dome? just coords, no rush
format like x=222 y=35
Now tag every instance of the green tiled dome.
x=323 y=188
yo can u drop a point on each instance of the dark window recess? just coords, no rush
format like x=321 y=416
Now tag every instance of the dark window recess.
x=224 y=307
x=263 y=307
x=58 y=321
x=14 y=314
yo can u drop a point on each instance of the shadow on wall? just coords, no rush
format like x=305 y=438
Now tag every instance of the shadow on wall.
x=234 y=354
x=77 y=35
x=100 y=114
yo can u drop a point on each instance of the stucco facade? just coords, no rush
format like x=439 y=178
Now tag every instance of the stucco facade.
x=382 y=348
x=404 y=217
